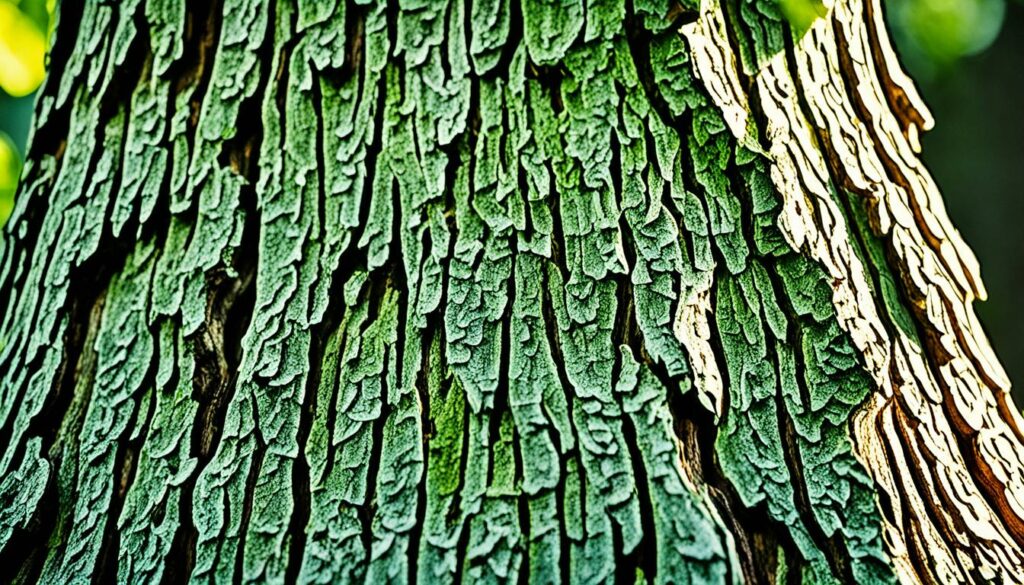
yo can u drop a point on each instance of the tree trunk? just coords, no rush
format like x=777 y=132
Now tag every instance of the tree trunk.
x=492 y=291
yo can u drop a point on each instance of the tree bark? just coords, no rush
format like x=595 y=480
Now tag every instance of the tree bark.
x=498 y=291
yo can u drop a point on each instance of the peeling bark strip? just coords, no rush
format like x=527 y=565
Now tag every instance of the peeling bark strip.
x=497 y=291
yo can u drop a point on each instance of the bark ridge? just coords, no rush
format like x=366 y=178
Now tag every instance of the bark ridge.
x=497 y=291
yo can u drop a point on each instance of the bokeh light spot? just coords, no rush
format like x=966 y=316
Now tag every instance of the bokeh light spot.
x=22 y=51
x=10 y=168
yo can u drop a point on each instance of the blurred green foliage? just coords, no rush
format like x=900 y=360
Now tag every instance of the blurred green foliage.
x=25 y=26
x=10 y=168
x=934 y=35
x=22 y=47
x=801 y=14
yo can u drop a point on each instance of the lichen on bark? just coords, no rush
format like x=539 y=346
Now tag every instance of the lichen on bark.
x=498 y=291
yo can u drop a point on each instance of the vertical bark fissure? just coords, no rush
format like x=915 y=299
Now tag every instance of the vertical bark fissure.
x=27 y=549
x=126 y=464
x=682 y=125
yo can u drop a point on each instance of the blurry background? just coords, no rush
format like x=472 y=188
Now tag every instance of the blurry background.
x=24 y=30
x=966 y=55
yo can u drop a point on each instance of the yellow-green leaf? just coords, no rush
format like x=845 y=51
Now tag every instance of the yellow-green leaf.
x=10 y=168
x=22 y=51
x=801 y=14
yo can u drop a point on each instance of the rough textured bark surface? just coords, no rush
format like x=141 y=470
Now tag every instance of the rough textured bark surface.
x=498 y=291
